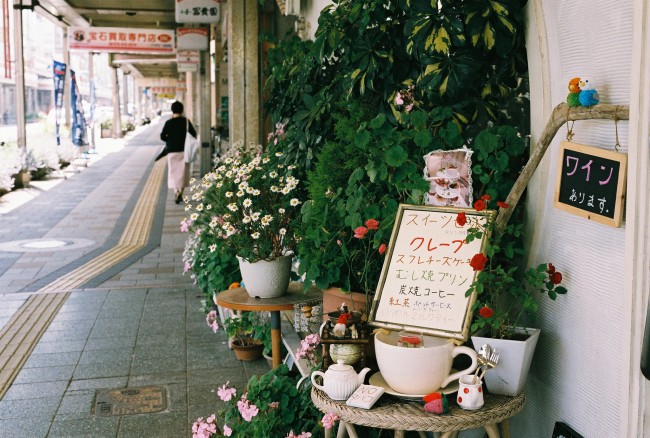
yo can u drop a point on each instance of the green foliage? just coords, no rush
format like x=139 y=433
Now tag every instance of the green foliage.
x=214 y=268
x=294 y=409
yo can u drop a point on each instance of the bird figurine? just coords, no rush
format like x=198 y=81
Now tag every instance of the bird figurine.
x=588 y=94
x=341 y=325
x=573 y=98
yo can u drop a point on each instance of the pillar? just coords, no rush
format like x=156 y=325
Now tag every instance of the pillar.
x=67 y=99
x=20 y=78
x=205 y=106
x=117 y=124
x=243 y=72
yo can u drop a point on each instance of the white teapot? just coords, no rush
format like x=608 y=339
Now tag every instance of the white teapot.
x=340 y=380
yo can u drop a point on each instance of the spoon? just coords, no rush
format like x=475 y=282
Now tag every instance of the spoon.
x=483 y=354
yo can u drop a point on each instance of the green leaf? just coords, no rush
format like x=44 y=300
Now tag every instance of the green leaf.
x=561 y=290
x=361 y=139
x=423 y=139
x=378 y=121
x=396 y=156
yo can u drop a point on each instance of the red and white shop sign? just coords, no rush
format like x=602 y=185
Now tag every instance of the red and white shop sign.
x=118 y=39
x=192 y=38
x=198 y=11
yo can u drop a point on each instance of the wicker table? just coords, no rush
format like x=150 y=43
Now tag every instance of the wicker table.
x=238 y=299
x=400 y=415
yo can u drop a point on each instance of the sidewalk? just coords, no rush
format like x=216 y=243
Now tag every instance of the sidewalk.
x=92 y=297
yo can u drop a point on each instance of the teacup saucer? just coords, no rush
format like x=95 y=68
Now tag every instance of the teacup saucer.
x=378 y=380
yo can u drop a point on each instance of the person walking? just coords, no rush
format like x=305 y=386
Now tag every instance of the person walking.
x=173 y=134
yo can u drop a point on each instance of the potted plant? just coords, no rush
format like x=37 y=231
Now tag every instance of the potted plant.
x=505 y=296
x=271 y=405
x=241 y=328
x=249 y=206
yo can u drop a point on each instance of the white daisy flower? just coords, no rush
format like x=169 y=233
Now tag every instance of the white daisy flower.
x=208 y=207
x=281 y=210
x=255 y=216
x=232 y=207
x=278 y=154
x=265 y=160
x=199 y=207
x=229 y=194
x=213 y=247
x=188 y=207
x=255 y=235
x=240 y=193
x=219 y=184
x=194 y=216
x=246 y=219
x=273 y=174
x=294 y=202
x=247 y=202
x=283 y=231
x=256 y=192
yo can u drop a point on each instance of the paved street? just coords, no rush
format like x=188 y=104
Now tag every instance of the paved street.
x=93 y=297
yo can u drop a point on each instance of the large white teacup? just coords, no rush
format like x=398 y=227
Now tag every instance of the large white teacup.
x=419 y=370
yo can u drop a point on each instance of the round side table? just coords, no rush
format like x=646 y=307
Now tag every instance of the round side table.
x=400 y=415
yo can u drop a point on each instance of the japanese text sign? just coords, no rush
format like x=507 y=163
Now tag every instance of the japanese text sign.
x=591 y=183
x=118 y=39
x=198 y=11
x=427 y=272
x=192 y=38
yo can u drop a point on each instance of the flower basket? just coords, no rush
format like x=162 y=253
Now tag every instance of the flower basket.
x=266 y=279
x=515 y=356
x=249 y=350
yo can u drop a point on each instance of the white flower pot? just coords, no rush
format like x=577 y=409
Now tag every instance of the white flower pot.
x=509 y=376
x=266 y=279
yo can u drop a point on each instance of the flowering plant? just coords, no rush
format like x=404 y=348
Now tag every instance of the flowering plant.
x=248 y=206
x=308 y=349
x=504 y=293
x=270 y=406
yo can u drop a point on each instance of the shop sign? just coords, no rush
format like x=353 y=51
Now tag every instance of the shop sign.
x=192 y=38
x=163 y=90
x=121 y=40
x=427 y=272
x=155 y=82
x=187 y=60
x=198 y=11
x=591 y=183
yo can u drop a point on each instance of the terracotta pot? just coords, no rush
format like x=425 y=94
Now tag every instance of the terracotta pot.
x=333 y=297
x=249 y=352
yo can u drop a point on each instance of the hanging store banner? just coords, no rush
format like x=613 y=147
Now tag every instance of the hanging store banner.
x=78 y=131
x=198 y=11
x=58 y=69
x=124 y=40
x=187 y=60
x=192 y=38
x=155 y=82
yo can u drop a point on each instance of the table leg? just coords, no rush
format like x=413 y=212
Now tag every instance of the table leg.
x=505 y=429
x=276 y=338
x=399 y=434
x=492 y=430
x=343 y=429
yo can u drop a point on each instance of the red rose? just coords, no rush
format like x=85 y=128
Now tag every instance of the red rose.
x=382 y=248
x=360 y=232
x=461 y=219
x=486 y=197
x=372 y=224
x=480 y=205
x=486 y=312
x=478 y=262
x=556 y=277
x=551 y=269
x=501 y=204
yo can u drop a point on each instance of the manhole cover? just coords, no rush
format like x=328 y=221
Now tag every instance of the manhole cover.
x=128 y=401
x=44 y=244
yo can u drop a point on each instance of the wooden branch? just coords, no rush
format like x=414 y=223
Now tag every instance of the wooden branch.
x=561 y=114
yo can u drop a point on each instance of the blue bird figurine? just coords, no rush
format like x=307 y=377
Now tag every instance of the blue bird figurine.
x=588 y=94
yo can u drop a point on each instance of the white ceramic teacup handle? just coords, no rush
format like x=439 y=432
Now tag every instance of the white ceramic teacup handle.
x=457 y=375
x=313 y=379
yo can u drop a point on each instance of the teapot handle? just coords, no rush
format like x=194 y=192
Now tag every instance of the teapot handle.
x=313 y=379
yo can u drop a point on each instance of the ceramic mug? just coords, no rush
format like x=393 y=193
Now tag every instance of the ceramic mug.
x=422 y=370
x=470 y=393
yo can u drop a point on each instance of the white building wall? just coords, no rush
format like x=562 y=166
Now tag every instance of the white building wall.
x=580 y=368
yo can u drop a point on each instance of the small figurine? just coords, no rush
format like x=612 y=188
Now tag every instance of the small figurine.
x=354 y=334
x=436 y=403
x=573 y=98
x=588 y=94
x=341 y=325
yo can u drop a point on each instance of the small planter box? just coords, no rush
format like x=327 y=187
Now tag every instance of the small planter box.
x=106 y=133
x=22 y=179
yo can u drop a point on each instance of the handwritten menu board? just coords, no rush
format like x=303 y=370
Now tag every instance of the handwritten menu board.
x=427 y=272
x=591 y=183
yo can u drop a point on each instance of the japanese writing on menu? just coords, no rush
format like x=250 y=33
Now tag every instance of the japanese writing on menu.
x=589 y=182
x=428 y=273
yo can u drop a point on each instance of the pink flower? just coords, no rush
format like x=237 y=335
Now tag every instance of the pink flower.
x=302 y=435
x=225 y=393
x=212 y=320
x=274 y=405
x=382 y=248
x=409 y=107
x=186 y=267
x=226 y=430
x=398 y=99
x=329 y=419
x=185 y=225
x=204 y=429
x=372 y=224
x=247 y=410
x=360 y=232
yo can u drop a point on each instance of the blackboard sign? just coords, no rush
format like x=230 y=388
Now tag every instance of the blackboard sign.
x=591 y=183
x=427 y=272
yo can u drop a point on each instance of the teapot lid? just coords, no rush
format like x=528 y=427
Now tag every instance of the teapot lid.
x=340 y=366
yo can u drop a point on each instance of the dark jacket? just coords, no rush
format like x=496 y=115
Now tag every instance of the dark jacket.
x=173 y=133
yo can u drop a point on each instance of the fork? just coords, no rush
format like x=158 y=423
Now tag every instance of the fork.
x=490 y=363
